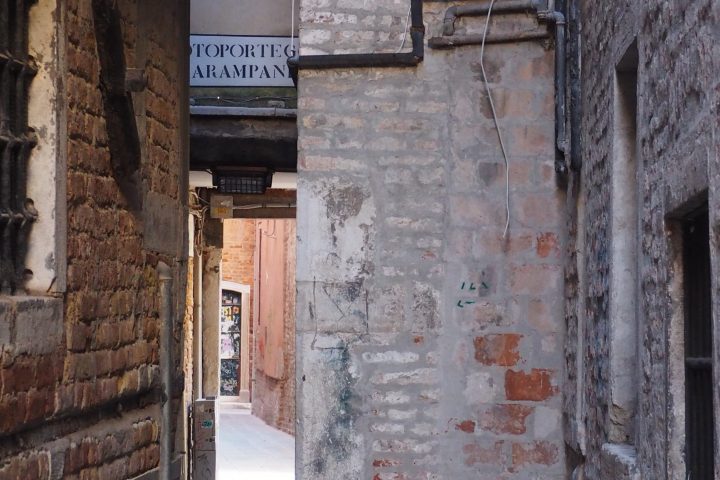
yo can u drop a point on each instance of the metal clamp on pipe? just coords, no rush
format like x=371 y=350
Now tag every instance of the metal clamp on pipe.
x=361 y=60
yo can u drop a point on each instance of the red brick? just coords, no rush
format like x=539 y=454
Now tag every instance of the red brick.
x=24 y=373
x=547 y=245
x=477 y=454
x=391 y=476
x=501 y=349
x=39 y=405
x=505 y=419
x=467 y=426
x=7 y=381
x=534 y=386
x=12 y=412
x=77 y=337
x=537 y=453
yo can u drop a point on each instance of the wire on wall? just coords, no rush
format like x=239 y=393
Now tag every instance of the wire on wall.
x=497 y=124
x=292 y=26
x=405 y=33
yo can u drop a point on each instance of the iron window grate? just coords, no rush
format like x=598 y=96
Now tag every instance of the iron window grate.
x=17 y=140
x=699 y=415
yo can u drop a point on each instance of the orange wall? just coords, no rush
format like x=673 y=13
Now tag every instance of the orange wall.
x=273 y=399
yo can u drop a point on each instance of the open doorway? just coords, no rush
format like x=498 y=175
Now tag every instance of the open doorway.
x=235 y=342
x=256 y=408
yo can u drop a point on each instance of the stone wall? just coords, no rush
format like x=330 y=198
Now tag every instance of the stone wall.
x=677 y=161
x=80 y=390
x=429 y=345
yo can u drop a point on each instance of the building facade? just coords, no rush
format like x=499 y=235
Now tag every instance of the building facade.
x=88 y=384
x=637 y=405
x=507 y=237
x=408 y=159
x=429 y=341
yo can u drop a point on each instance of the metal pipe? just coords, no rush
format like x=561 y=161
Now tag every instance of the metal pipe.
x=363 y=60
x=457 y=40
x=166 y=367
x=243 y=111
x=561 y=138
x=508 y=6
x=197 y=323
x=574 y=79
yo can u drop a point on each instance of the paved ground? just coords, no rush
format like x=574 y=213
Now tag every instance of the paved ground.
x=248 y=449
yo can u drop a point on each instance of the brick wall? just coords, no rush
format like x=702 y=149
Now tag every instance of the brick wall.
x=60 y=403
x=677 y=161
x=238 y=264
x=238 y=259
x=430 y=347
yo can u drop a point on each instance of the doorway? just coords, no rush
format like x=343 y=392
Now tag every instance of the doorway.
x=235 y=342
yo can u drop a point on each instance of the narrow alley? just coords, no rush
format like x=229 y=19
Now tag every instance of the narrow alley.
x=249 y=448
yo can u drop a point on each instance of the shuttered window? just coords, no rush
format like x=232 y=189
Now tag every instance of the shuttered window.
x=17 y=212
x=699 y=415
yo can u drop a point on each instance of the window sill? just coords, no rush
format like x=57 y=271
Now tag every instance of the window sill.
x=30 y=325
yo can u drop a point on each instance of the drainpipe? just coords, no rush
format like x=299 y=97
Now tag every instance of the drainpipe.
x=166 y=367
x=574 y=79
x=509 y=6
x=557 y=18
x=361 y=60
x=197 y=323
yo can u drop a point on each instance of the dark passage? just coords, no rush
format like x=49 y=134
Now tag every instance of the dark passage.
x=699 y=416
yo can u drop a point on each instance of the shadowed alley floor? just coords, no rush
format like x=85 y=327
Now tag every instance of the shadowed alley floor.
x=248 y=449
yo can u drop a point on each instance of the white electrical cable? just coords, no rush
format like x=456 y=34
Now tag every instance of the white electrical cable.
x=497 y=124
x=407 y=24
x=292 y=26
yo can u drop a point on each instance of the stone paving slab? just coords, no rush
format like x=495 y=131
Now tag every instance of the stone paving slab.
x=249 y=449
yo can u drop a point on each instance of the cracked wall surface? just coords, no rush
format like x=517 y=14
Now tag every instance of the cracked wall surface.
x=428 y=345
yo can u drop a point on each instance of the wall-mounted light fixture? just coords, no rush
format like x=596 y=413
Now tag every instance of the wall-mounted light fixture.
x=245 y=180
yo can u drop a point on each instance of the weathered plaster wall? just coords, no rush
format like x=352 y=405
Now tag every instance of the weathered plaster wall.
x=242 y=17
x=274 y=399
x=211 y=292
x=677 y=133
x=428 y=346
x=79 y=387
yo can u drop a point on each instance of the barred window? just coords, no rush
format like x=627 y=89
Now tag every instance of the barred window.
x=17 y=212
